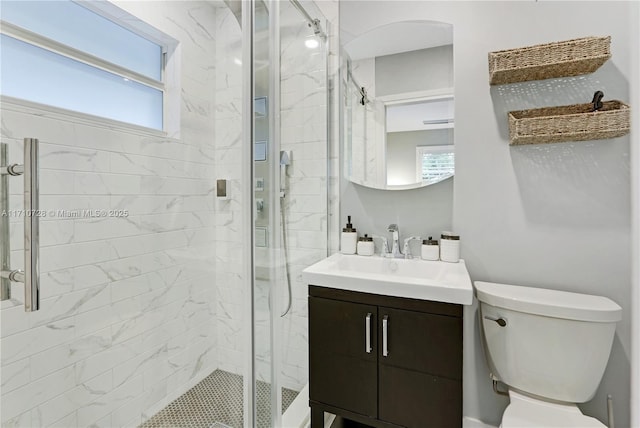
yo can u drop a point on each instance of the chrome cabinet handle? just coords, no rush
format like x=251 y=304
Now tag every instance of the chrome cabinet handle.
x=500 y=321
x=367 y=334
x=385 y=329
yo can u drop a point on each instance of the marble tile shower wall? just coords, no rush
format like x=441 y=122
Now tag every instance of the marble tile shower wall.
x=127 y=319
x=231 y=284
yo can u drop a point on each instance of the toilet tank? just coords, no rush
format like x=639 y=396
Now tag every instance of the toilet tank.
x=554 y=344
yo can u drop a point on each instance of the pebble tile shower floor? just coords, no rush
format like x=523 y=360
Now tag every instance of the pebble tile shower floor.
x=216 y=402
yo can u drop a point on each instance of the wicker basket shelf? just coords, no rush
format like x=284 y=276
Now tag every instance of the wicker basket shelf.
x=558 y=59
x=569 y=123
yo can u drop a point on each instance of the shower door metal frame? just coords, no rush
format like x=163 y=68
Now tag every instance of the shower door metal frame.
x=248 y=216
x=275 y=177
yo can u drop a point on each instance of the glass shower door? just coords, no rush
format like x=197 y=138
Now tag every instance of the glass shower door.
x=290 y=166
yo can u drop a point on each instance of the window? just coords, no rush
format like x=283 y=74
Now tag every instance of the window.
x=434 y=163
x=62 y=54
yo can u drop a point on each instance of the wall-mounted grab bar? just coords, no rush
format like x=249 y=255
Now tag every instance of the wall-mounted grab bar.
x=31 y=274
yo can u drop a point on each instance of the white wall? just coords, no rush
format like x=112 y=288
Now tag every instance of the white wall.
x=421 y=70
x=126 y=321
x=555 y=216
x=635 y=223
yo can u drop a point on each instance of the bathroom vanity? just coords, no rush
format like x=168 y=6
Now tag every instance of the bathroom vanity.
x=382 y=359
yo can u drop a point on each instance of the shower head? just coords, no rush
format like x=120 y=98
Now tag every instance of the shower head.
x=317 y=29
x=285 y=157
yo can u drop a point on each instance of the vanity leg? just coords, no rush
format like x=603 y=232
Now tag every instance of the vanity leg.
x=317 y=417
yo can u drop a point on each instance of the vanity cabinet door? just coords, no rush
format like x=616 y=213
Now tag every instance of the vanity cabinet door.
x=423 y=342
x=420 y=371
x=343 y=366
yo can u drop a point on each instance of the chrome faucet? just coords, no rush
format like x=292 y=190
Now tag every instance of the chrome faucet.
x=395 y=250
x=406 y=249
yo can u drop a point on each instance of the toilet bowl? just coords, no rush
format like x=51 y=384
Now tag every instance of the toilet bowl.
x=549 y=347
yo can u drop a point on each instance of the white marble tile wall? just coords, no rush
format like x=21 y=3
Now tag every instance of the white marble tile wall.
x=231 y=236
x=127 y=319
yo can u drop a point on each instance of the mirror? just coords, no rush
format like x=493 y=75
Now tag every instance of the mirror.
x=397 y=105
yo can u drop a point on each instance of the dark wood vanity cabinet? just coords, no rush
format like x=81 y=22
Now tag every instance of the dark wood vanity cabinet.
x=384 y=361
x=343 y=374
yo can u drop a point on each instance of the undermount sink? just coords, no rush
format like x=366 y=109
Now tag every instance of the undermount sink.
x=414 y=278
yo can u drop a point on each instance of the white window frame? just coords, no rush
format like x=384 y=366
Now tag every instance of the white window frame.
x=169 y=46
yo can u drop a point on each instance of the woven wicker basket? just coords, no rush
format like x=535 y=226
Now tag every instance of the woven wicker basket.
x=569 y=123
x=559 y=59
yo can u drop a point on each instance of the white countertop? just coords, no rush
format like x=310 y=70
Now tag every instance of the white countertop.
x=414 y=278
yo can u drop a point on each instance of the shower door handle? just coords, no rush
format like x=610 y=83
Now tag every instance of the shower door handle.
x=31 y=274
x=31 y=225
x=6 y=170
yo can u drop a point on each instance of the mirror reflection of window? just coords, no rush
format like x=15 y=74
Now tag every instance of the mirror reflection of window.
x=409 y=152
x=411 y=128
x=434 y=163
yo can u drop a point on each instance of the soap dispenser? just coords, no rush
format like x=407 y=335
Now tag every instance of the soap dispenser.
x=450 y=247
x=348 y=239
x=365 y=246
x=430 y=249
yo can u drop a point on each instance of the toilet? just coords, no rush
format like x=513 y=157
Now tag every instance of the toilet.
x=549 y=347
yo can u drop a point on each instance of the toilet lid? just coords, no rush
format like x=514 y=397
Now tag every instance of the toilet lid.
x=550 y=303
x=526 y=412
